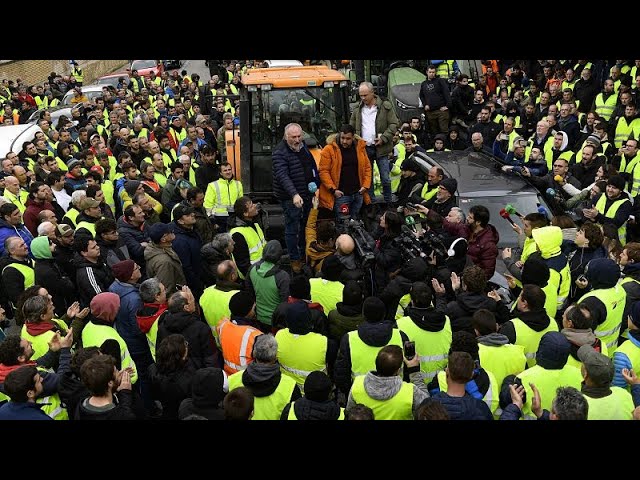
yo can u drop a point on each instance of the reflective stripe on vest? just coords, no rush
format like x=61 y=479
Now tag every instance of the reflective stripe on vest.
x=236 y=355
x=530 y=339
x=221 y=201
x=255 y=241
x=299 y=355
x=605 y=108
x=431 y=347
x=614 y=300
x=398 y=407
x=363 y=356
x=271 y=406
x=27 y=272
x=624 y=130
x=613 y=209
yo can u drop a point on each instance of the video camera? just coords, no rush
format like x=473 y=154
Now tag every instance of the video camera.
x=364 y=242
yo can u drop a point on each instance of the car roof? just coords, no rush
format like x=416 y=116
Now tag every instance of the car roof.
x=404 y=75
x=477 y=175
x=56 y=113
x=12 y=136
x=115 y=75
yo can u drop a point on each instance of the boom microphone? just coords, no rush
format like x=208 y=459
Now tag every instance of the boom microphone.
x=510 y=209
x=504 y=214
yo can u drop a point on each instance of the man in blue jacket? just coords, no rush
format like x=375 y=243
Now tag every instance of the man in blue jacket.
x=127 y=275
x=295 y=180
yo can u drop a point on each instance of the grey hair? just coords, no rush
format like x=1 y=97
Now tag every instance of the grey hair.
x=570 y=404
x=34 y=307
x=177 y=302
x=221 y=241
x=265 y=348
x=42 y=228
x=289 y=127
x=369 y=85
x=77 y=196
x=150 y=289
x=3 y=201
x=459 y=211
x=9 y=241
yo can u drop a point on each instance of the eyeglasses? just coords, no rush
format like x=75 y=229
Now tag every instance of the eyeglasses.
x=559 y=165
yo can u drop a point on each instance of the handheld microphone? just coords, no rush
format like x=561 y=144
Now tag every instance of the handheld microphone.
x=411 y=222
x=543 y=211
x=504 y=214
x=551 y=192
x=510 y=209
x=558 y=178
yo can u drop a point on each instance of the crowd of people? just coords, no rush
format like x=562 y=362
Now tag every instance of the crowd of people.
x=138 y=282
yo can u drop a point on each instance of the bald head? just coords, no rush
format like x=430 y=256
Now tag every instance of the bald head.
x=12 y=184
x=226 y=271
x=345 y=244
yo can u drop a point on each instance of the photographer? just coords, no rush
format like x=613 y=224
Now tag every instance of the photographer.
x=388 y=257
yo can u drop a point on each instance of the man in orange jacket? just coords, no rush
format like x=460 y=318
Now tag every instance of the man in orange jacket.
x=345 y=172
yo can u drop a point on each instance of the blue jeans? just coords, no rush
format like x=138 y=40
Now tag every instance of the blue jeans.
x=355 y=204
x=295 y=219
x=383 y=168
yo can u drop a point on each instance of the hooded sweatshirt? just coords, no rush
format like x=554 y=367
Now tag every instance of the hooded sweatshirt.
x=549 y=240
x=384 y=388
x=40 y=248
x=263 y=379
x=207 y=392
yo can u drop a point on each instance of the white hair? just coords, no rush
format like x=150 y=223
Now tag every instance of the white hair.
x=77 y=196
x=459 y=211
x=42 y=228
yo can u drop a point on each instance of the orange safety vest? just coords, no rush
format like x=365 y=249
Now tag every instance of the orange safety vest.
x=236 y=343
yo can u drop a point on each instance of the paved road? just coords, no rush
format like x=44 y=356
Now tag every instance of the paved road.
x=197 y=66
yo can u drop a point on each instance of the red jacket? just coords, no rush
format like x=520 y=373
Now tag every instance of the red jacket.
x=30 y=217
x=483 y=249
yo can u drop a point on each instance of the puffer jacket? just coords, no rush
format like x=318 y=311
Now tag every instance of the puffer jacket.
x=289 y=176
x=483 y=249
x=7 y=230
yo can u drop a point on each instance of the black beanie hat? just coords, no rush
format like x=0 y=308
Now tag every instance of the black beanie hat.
x=318 y=386
x=535 y=272
x=374 y=310
x=240 y=304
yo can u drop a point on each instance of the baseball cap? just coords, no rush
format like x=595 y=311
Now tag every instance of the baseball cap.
x=88 y=202
x=64 y=230
x=599 y=367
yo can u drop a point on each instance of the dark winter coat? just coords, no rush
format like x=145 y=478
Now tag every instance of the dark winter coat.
x=483 y=249
x=289 y=176
x=91 y=279
x=50 y=276
x=187 y=245
x=211 y=257
x=171 y=388
x=202 y=347
x=132 y=237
